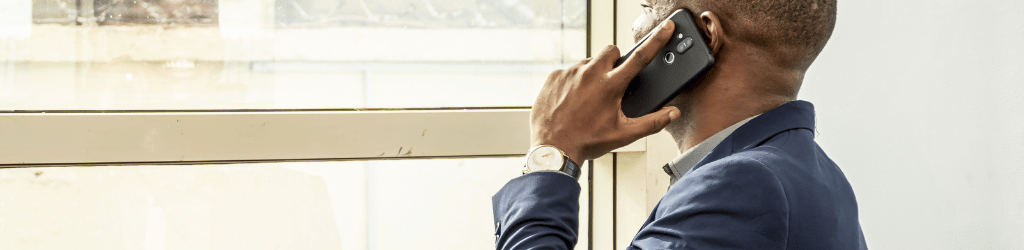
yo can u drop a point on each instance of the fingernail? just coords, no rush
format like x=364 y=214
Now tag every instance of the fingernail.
x=664 y=24
x=673 y=114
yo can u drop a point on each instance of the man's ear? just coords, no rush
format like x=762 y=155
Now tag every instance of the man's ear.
x=712 y=27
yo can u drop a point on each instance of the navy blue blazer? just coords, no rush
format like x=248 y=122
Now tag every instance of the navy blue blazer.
x=766 y=186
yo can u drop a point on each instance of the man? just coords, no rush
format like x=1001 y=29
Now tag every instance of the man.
x=750 y=175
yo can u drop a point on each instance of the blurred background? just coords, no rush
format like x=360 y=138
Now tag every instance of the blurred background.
x=921 y=103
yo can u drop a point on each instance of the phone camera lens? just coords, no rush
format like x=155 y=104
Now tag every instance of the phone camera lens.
x=670 y=57
x=684 y=45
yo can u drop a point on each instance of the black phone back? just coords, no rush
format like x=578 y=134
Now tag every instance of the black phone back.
x=679 y=64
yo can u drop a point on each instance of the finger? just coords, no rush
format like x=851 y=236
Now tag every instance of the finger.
x=572 y=70
x=605 y=60
x=551 y=83
x=586 y=61
x=651 y=123
x=644 y=53
x=554 y=75
x=552 y=80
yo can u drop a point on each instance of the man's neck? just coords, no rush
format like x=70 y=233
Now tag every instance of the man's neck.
x=730 y=95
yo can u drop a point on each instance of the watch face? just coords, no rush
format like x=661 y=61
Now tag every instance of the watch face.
x=545 y=158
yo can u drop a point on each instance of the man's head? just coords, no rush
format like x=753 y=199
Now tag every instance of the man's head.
x=793 y=32
x=762 y=49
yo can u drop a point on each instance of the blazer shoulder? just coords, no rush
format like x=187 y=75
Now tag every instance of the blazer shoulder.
x=744 y=164
x=739 y=196
x=732 y=175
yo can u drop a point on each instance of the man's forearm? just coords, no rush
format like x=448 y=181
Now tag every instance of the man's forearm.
x=540 y=209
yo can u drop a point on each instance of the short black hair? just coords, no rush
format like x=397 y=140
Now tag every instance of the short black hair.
x=801 y=28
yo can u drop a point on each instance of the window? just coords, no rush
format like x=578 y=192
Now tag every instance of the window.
x=284 y=54
x=173 y=105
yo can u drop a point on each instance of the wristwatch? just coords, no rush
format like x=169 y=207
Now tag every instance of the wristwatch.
x=549 y=158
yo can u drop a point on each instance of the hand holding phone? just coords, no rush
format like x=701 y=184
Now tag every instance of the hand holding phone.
x=677 y=66
x=578 y=109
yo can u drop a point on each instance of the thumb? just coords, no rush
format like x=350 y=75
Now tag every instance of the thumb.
x=653 y=122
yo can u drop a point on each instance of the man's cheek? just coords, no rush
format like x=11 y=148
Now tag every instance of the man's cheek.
x=641 y=27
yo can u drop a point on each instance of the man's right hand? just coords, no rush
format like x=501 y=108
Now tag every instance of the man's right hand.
x=579 y=109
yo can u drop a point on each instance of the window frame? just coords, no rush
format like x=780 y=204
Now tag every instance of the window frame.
x=33 y=139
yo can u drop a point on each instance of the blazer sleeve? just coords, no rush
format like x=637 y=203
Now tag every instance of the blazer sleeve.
x=538 y=210
x=730 y=204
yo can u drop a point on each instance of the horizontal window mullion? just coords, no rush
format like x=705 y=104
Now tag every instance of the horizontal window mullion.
x=33 y=139
x=259 y=136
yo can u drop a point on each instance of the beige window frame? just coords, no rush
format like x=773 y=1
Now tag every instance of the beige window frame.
x=204 y=137
x=625 y=184
x=620 y=189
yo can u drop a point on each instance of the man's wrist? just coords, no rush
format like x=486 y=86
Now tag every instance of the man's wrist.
x=547 y=157
x=573 y=153
x=573 y=156
x=572 y=168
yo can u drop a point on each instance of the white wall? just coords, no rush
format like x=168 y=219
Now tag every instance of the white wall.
x=921 y=103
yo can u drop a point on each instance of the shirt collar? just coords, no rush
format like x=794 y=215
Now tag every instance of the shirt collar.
x=753 y=132
x=688 y=159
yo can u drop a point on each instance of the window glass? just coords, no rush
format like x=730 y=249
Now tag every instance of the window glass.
x=282 y=54
x=396 y=204
x=163 y=12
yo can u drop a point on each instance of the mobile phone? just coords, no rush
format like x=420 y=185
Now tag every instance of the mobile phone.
x=678 y=65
